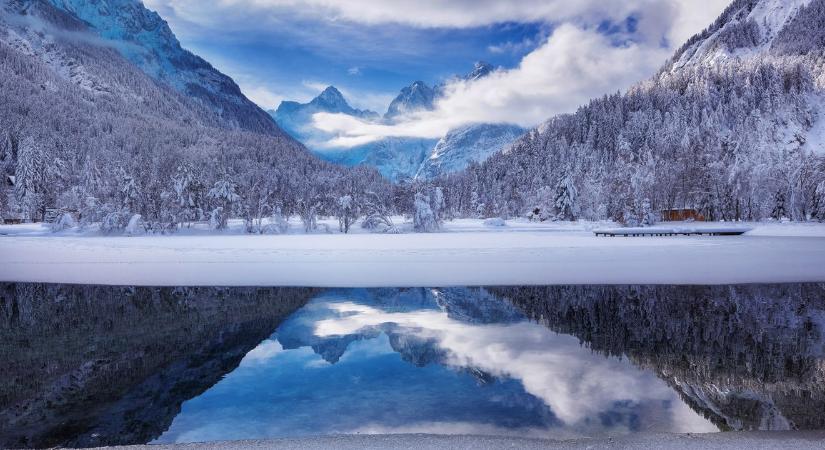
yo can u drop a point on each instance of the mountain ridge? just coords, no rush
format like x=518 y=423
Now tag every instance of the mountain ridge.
x=150 y=44
x=399 y=158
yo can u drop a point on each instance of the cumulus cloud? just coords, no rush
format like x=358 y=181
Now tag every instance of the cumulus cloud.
x=572 y=66
x=577 y=386
x=577 y=62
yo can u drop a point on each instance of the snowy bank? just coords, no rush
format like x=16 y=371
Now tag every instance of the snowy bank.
x=641 y=441
x=467 y=253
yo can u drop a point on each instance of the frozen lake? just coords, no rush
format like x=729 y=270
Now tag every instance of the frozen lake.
x=89 y=365
x=465 y=253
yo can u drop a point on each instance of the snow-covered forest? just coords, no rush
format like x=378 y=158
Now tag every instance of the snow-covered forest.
x=83 y=130
x=732 y=126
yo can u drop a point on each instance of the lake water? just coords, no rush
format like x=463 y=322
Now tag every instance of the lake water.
x=96 y=365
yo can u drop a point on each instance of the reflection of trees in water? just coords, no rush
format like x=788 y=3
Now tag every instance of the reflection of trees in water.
x=746 y=357
x=96 y=365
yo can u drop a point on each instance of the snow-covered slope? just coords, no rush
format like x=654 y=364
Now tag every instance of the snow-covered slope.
x=472 y=143
x=146 y=40
x=395 y=158
x=747 y=28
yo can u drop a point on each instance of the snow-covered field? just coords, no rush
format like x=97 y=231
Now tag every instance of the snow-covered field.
x=466 y=252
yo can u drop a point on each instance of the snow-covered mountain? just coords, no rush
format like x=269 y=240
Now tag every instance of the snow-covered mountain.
x=296 y=118
x=461 y=146
x=733 y=125
x=415 y=97
x=146 y=40
x=749 y=29
x=399 y=158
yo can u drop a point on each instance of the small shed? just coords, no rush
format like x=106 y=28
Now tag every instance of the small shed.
x=9 y=180
x=682 y=215
x=12 y=219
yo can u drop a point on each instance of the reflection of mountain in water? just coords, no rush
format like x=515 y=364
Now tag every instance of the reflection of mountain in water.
x=93 y=365
x=746 y=357
x=88 y=365
x=468 y=305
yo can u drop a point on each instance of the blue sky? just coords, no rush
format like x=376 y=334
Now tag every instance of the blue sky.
x=555 y=54
x=370 y=62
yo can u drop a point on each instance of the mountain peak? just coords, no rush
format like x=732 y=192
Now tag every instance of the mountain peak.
x=415 y=97
x=480 y=70
x=331 y=100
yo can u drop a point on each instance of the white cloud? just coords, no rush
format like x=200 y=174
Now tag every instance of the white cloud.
x=262 y=96
x=577 y=386
x=573 y=65
x=354 y=71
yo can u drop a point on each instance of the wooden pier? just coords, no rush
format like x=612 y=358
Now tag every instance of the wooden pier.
x=654 y=231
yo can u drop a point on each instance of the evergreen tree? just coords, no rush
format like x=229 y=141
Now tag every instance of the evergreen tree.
x=779 y=206
x=565 y=204
x=30 y=178
x=224 y=198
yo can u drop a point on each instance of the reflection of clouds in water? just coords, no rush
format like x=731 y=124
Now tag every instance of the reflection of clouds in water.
x=261 y=354
x=578 y=385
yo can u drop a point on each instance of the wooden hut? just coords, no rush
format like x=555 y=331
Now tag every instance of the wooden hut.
x=682 y=215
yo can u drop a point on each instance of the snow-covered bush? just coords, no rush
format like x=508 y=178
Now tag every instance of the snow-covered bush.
x=376 y=217
x=495 y=222
x=114 y=222
x=217 y=220
x=135 y=226
x=65 y=222
x=424 y=220
x=779 y=206
x=278 y=224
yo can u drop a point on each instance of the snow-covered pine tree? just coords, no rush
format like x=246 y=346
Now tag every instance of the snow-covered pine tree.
x=30 y=178
x=819 y=203
x=648 y=217
x=565 y=202
x=779 y=212
x=438 y=205
x=224 y=198
x=129 y=192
